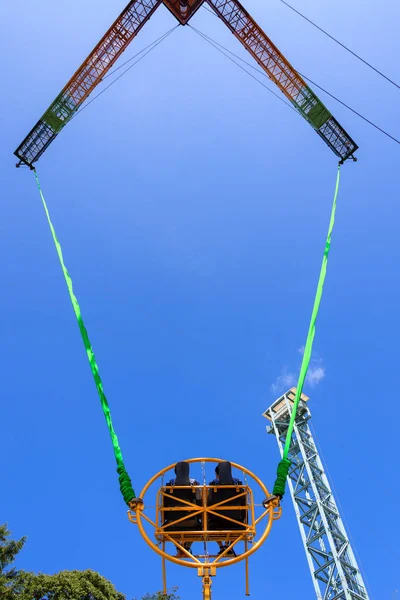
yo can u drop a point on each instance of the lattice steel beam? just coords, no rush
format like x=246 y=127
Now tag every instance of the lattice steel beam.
x=183 y=10
x=281 y=72
x=126 y=27
x=86 y=78
x=331 y=560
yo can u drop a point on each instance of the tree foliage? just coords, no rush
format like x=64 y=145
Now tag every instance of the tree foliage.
x=9 y=576
x=171 y=595
x=68 y=585
x=75 y=585
x=65 y=585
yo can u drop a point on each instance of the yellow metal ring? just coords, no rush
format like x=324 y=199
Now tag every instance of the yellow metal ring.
x=195 y=563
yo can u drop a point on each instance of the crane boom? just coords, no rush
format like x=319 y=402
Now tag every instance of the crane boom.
x=125 y=28
x=86 y=78
x=281 y=72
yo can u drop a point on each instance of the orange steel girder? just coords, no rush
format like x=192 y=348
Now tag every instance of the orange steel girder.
x=281 y=72
x=183 y=10
x=86 y=78
x=126 y=27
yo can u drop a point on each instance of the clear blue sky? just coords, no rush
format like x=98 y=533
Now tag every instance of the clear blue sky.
x=192 y=207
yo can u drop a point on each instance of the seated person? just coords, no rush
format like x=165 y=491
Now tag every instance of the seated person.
x=215 y=481
x=226 y=479
x=182 y=472
x=182 y=478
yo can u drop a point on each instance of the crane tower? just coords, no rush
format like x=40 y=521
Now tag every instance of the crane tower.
x=331 y=560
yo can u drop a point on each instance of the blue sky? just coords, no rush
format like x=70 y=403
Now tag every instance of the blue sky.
x=192 y=207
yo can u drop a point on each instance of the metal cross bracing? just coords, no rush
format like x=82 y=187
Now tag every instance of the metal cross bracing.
x=126 y=27
x=331 y=560
x=281 y=72
x=86 y=78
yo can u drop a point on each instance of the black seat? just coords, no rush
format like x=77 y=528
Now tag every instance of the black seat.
x=218 y=523
x=171 y=500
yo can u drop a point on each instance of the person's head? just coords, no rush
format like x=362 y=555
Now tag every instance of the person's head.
x=182 y=469
x=223 y=472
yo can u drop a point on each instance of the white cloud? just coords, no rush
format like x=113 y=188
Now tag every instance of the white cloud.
x=288 y=379
x=283 y=382
x=315 y=375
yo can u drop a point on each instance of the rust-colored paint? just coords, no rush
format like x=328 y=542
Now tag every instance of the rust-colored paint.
x=183 y=10
x=124 y=30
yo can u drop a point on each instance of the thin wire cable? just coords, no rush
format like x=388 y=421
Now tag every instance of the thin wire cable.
x=150 y=48
x=343 y=45
x=211 y=41
x=160 y=39
x=210 y=11
x=352 y=109
x=215 y=45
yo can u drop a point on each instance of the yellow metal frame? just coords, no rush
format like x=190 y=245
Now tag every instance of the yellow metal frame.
x=194 y=510
x=163 y=533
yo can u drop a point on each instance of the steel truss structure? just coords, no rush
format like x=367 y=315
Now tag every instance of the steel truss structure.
x=127 y=26
x=331 y=560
